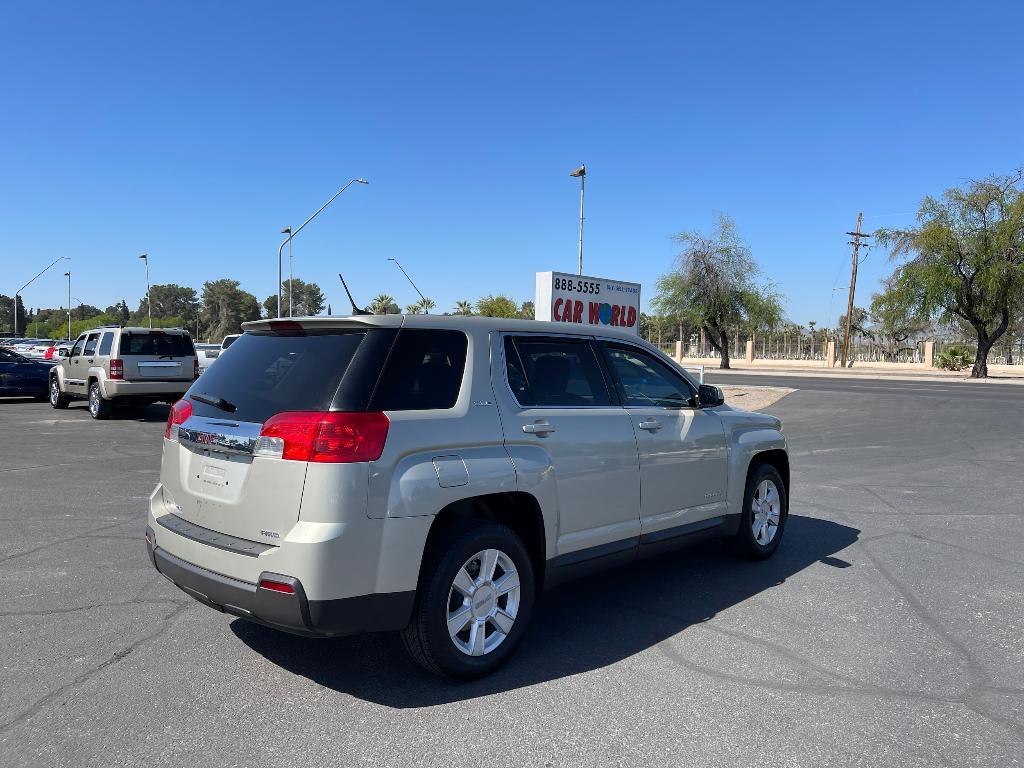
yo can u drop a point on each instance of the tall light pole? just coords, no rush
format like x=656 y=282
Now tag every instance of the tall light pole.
x=68 y=276
x=149 y=302
x=422 y=297
x=293 y=233
x=581 y=174
x=17 y=293
x=288 y=231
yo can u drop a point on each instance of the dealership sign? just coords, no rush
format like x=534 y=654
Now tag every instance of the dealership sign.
x=588 y=301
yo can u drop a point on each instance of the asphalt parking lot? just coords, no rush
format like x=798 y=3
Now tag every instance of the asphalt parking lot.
x=888 y=629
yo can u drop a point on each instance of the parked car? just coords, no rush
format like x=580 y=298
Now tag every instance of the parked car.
x=432 y=474
x=206 y=354
x=112 y=364
x=229 y=340
x=58 y=350
x=21 y=376
x=24 y=346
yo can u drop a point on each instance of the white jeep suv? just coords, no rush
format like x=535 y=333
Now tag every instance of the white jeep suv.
x=432 y=475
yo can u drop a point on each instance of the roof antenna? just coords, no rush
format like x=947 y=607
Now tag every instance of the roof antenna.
x=355 y=310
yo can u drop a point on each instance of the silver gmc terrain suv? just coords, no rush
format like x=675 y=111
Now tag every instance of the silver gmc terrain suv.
x=432 y=474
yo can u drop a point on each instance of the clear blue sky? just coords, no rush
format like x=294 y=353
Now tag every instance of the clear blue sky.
x=196 y=131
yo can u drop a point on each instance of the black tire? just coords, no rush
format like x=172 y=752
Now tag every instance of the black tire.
x=746 y=543
x=427 y=639
x=57 y=398
x=98 y=407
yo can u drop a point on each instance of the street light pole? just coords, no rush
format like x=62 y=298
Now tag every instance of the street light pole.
x=291 y=235
x=422 y=297
x=149 y=301
x=17 y=293
x=68 y=276
x=288 y=231
x=581 y=174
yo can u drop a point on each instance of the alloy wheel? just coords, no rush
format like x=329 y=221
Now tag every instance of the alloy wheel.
x=766 y=507
x=483 y=602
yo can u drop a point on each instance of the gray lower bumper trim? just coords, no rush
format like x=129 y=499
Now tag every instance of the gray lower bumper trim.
x=289 y=612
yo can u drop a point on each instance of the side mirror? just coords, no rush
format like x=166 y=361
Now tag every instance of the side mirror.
x=62 y=352
x=709 y=396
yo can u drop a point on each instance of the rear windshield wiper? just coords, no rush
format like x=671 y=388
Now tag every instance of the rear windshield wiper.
x=216 y=402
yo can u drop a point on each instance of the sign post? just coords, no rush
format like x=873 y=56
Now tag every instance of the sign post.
x=594 y=301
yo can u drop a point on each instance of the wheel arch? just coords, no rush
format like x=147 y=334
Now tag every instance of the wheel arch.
x=518 y=510
x=775 y=457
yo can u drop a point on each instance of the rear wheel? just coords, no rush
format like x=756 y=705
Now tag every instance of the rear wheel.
x=765 y=509
x=98 y=407
x=57 y=398
x=474 y=601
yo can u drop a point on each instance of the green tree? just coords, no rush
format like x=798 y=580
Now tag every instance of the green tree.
x=715 y=285
x=964 y=261
x=421 y=307
x=119 y=311
x=384 y=304
x=169 y=301
x=226 y=306
x=497 y=306
x=7 y=315
x=527 y=311
x=463 y=307
x=307 y=300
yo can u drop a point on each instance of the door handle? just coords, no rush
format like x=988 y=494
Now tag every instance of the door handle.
x=651 y=425
x=540 y=428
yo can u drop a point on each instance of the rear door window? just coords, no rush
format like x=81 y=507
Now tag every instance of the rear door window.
x=267 y=374
x=156 y=345
x=555 y=372
x=105 y=343
x=423 y=372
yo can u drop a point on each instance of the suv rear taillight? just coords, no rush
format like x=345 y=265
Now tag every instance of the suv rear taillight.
x=324 y=437
x=116 y=369
x=179 y=412
x=195 y=368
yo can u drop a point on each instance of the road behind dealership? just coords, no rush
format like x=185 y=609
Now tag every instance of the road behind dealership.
x=888 y=630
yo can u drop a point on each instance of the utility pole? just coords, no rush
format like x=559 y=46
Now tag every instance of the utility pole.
x=856 y=235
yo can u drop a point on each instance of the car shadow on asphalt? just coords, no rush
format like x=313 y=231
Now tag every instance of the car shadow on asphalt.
x=577 y=627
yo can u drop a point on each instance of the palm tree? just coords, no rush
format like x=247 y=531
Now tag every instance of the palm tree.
x=421 y=307
x=382 y=304
x=463 y=307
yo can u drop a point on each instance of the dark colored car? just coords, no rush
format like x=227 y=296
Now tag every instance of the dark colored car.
x=21 y=376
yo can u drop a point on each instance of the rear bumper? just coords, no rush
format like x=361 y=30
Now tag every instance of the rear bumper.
x=288 y=612
x=117 y=388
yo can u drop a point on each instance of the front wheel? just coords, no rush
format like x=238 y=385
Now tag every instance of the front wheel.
x=57 y=398
x=765 y=510
x=474 y=601
x=98 y=407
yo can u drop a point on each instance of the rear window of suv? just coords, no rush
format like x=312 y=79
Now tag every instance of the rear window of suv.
x=266 y=374
x=423 y=372
x=156 y=345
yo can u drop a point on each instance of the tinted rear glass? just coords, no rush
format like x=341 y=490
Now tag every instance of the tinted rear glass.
x=423 y=372
x=262 y=375
x=554 y=372
x=155 y=345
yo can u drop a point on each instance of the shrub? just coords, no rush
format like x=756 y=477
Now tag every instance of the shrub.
x=954 y=359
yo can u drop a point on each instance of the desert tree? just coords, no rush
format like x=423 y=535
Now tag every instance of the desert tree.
x=964 y=261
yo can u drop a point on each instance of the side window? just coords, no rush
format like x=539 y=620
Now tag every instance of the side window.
x=644 y=380
x=77 y=349
x=423 y=372
x=554 y=372
x=90 y=344
x=105 y=343
x=7 y=357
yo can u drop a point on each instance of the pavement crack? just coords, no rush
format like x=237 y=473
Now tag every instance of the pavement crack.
x=25 y=715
